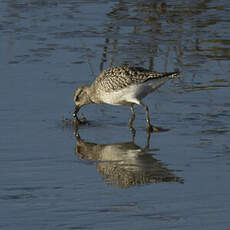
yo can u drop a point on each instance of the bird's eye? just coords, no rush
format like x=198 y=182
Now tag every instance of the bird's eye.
x=76 y=98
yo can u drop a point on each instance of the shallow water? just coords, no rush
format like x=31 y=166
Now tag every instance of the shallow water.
x=103 y=179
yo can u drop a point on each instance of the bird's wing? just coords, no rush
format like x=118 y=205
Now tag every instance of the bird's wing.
x=119 y=77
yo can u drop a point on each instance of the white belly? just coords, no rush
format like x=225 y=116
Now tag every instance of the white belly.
x=121 y=97
x=131 y=94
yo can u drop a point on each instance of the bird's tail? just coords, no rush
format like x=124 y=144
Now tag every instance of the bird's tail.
x=161 y=78
x=164 y=75
x=173 y=74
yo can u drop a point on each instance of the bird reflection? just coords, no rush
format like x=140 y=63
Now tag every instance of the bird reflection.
x=125 y=164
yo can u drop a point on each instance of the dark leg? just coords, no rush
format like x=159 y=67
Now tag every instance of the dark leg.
x=148 y=125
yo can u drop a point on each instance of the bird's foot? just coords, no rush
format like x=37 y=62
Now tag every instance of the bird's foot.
x=153 y=129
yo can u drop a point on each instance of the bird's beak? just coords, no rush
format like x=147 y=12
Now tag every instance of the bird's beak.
x=77 y=108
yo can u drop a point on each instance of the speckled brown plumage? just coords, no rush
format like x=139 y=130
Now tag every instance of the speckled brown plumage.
x=119 y=77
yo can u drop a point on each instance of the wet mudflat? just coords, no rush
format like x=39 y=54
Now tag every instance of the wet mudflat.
x=104 y=178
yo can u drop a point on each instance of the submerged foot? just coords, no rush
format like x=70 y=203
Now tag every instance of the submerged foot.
x=152 y=129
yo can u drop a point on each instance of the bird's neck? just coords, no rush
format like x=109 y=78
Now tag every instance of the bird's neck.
x=89 y=94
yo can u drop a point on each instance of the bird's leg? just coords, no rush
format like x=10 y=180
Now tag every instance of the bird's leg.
x=148 y=125
x=132 y=118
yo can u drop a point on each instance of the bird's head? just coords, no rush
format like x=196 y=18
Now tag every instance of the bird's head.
x=81 y=97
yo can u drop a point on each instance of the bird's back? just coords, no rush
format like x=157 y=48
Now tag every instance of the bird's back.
x=119 y=77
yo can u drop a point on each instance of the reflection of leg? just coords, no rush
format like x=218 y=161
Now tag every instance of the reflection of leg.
x=133 y=133
x=76 y=124
x=132 y=118
x=147 y=141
